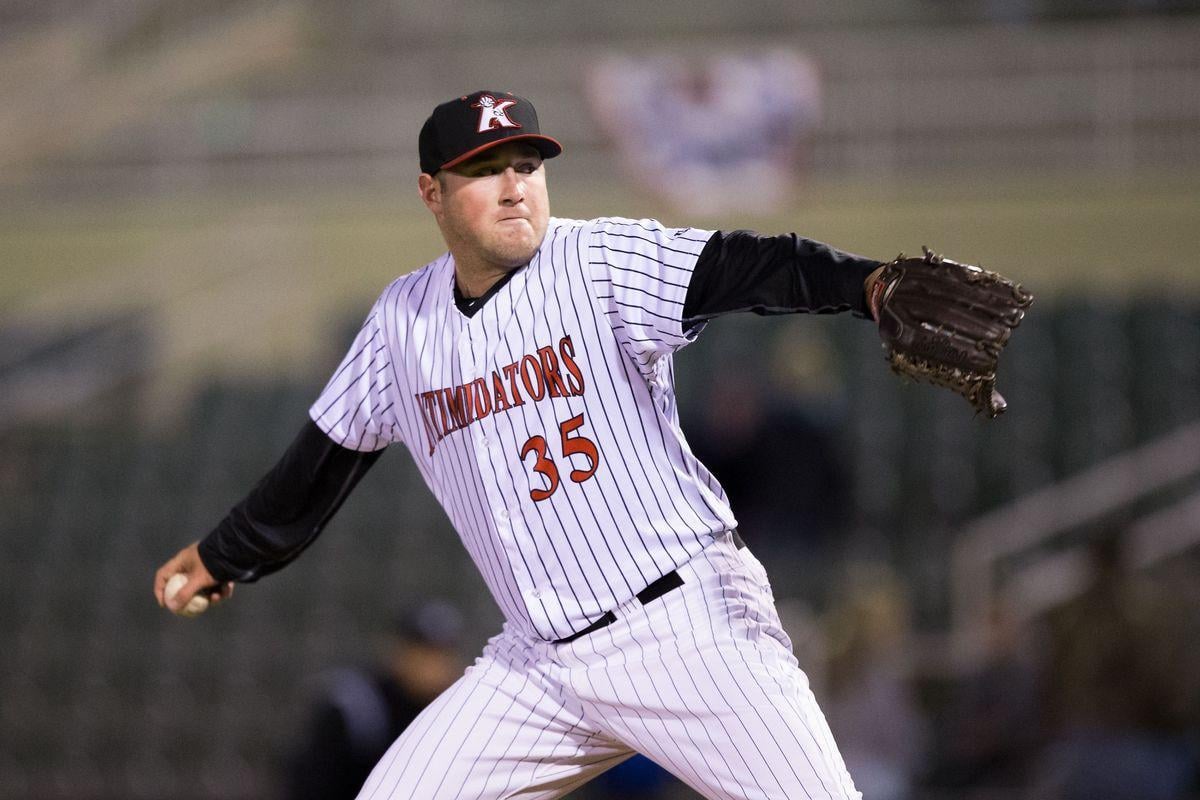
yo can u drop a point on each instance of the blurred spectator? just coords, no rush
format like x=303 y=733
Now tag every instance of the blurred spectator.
x=362 y=711
x=989 y=729
x=712 y=135
x=771 y=439
x=785 y=482
x=1121 y=690
x=871 y=703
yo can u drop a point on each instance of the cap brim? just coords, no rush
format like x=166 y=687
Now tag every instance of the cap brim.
x=548 y=147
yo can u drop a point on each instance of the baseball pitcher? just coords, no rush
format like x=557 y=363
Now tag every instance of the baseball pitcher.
x=528 y=371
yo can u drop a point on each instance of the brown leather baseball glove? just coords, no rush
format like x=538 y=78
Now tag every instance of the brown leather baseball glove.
x=947 y=323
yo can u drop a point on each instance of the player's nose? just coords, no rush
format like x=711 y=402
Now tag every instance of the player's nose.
x=512 y=187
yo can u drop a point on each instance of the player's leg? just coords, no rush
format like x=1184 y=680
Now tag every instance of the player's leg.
x=502 y=730
x=717 y=697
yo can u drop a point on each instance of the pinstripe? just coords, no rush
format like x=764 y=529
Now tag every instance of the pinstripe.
x=500 y=718
x=666 y=468
x=498 y=552
x=563 y=626
x=556 y=630
x=430 y=719
x=492 y=539
x=492 y=558
x=650 y=257
x=511 y=681
x=670 y=673
x=647 y=292
x=623 y=680
x=470 y=502
x=643 y=273
x=726 y=589
x=816 y=723
x=642 y=578
x=719 y=695
x=630 y=439
x=638 y=389
x=783 y=723
x=575 y=404
x=783 y=751
x=678 y=457
x=657 y=245
x=674 y=497
x=628 y=445
x=642 y=309
x=597 y=604
x=648 y=710
x=683 y=729
x=436 y=747
x=351 y=361
x=516 y=492
x=524 y=725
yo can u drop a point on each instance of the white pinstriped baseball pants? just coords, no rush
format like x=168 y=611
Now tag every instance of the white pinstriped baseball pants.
x=701 y=680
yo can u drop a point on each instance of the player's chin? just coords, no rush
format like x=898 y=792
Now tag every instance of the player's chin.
x=517 y=250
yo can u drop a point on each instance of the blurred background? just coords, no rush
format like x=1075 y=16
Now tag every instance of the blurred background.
x=199 y=200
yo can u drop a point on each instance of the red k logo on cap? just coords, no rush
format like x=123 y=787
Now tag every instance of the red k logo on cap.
x=492 y=113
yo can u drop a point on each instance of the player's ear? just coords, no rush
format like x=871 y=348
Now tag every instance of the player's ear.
x=430 y=189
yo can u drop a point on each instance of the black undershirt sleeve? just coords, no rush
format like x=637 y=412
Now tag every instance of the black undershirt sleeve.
x=287 y=510
x=744 y=271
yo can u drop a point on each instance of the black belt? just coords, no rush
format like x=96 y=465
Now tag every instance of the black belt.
x=651 y=593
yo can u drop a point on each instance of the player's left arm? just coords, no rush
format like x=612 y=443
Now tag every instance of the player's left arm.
x=785 y=274
x=941 y=322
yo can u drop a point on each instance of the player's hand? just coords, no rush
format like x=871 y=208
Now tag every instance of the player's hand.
x=869 y=284
x=200 y=580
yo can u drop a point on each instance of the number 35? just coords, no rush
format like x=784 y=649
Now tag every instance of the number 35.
x=572 y=444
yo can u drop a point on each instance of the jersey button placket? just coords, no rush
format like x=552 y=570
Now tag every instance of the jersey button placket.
x=504 y=527
x=466 y=356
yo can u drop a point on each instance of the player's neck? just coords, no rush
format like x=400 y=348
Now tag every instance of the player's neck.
x=474 y=280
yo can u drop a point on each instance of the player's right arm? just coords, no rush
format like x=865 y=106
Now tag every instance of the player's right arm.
x=288 y=508
x=280 y=517
x=349 y=426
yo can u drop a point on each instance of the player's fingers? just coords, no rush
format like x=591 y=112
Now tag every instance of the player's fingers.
x=220 y=593
x=161 y=577
x=197 y=583
x=186 y=562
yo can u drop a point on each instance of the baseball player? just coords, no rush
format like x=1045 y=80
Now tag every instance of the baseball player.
x=528 y=371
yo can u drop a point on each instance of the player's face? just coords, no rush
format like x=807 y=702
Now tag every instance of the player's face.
x=492 y=209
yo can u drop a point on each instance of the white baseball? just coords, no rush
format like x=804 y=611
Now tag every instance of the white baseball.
x=196 y=606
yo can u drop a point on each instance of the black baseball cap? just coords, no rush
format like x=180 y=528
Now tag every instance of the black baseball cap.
x=467 y=126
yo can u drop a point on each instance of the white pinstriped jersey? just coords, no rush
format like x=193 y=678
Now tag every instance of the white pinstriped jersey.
x=545 y=424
